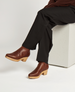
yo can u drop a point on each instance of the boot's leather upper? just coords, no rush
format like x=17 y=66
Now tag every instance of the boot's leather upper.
x=20 y=53
x=40 y=67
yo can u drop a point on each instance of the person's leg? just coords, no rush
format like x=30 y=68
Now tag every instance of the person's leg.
x=48 y=16
x=54 y=16
x=36 y=31
x=46 y=19
x=31 y=40
x=45 y=45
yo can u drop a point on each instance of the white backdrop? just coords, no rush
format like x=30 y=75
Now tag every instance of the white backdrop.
x=16 y=18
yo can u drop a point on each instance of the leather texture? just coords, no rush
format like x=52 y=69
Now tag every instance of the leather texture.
x=20 y=53
x=40 y=67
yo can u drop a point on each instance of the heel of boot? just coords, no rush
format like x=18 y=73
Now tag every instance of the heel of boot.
x=24 y=59
x=45 y=72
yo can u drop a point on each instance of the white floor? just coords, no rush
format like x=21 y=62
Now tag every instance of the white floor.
x=14 y=76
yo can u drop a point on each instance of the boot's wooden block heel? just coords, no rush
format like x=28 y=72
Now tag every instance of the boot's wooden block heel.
x=24 y=59
x=45 y=72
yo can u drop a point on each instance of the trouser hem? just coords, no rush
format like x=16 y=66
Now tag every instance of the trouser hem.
x=38 y=60
x=31 y=48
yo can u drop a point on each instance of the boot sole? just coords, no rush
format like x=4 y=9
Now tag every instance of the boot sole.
x=16 y=60
x=43 y=73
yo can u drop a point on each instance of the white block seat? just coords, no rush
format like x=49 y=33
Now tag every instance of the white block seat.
x=63 y=51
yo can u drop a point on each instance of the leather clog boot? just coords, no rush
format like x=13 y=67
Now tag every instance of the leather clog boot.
x=42 y=68
x=21 y=54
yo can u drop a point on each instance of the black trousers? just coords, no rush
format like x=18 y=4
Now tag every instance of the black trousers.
x=41 y=31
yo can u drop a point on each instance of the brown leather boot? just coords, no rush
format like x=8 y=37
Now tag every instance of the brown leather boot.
x=21 y=54
x=42 y=68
